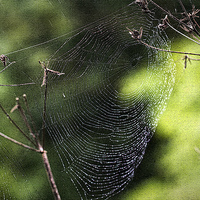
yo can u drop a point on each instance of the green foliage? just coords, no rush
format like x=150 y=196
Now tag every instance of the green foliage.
x=176 y=170
x=177 y=166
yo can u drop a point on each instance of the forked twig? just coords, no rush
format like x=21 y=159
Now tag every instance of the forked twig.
x=46 y=71
x=184 y=34
x=44 y=82
x=37 y=144
x=13 y=122
x=175 y=18
x=39 y=147
x=21 y=111
x=134 y=34
x=44 y=154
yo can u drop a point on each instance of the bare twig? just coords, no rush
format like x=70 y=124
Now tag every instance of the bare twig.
x=13 y=122
x=50 y=176
x=175 y=18
x=46 y=71
x=39 y=147
x=16 y=85
x=134 y=34
x=19 y=143
x=44 y=82
x=44 y=154
x=5 y=67
x=183 y=34
x=44 y=110
x=29 y=113
x=21 y=111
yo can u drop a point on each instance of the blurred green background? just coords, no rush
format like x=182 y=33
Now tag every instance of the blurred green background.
x=171 y=166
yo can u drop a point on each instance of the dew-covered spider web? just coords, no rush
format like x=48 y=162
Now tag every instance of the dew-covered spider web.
x=102 y=112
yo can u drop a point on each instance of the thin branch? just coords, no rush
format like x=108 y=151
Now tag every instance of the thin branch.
x=44 y=154
x=7 y=66
x=194 y=12
x=137 y=36
x=29 y=113
x=18 y=143
x=13 y=122
x=183 y=34
x=188 y=18
x=21 y=111
x=185 y=11
x=168 y=13
x=44 y=111
x=40 y=148
x=21 y=84
x=173 y=17
x=50 y=176
x=44 y=82
x=170 y=51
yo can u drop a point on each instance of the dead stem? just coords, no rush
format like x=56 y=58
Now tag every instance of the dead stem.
x=18 y=143
x=137 y=36
x=29 y=113
x=44 y=154
x=184 y=34
x=44 y=112
x=13 y=122
x=50 y=176
x=175 y=18
x=170 y=51
x=5 y=67
x=39 y=147
x=16 y=85
x=21 y=111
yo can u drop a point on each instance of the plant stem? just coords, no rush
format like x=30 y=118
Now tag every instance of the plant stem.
x=7 y=66
x=44 y=153
x=21 y=131
x=45 y=161
x=29 y=113
x=170 y=51
x=183 y=34
x=21 y=111
x=173 y=17
x=44 y=108
x=18 y=143
x=16 y=85
x=50 y=176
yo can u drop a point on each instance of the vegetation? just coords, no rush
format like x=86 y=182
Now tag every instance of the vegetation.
x=171 y=166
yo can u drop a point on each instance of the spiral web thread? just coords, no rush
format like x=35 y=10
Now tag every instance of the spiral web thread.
x=103 y=111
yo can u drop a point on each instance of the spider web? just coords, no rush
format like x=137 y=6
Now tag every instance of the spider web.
x=103 y=111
